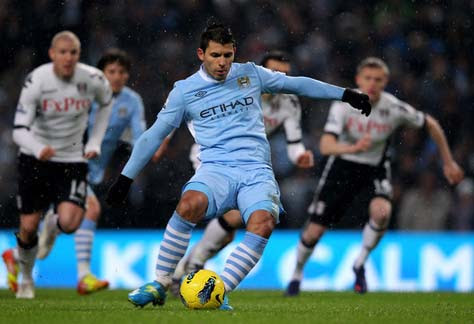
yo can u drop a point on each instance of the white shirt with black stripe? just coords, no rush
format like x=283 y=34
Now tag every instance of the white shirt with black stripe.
x=52 y=111
x=387 y=115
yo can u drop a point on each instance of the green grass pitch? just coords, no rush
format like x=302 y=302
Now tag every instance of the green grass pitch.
x=65 y=306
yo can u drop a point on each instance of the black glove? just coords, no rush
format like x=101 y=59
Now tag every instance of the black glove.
x=119 y=190
x=357 y=100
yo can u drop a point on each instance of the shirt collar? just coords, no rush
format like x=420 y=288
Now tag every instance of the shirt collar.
x=203 y=73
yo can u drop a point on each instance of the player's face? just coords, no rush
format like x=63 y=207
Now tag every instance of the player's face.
x=372 y=81
x=217 y=59
x=279 y=66
x=117 y=75
x=65 y=55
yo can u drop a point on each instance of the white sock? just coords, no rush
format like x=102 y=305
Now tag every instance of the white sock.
x=371 y=236
x=26 y=258
x=303 y=253
x=212 y=241
x=83 y=239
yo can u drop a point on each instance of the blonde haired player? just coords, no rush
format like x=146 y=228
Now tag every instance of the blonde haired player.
x=356 y=147
x=50 y=122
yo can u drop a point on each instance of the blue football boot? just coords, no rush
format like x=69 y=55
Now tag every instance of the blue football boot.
x=293 y=288
x=360 y=285
x=152 y=292
x=225 y=304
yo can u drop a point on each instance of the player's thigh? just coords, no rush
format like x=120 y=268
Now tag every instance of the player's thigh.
x=34 y=186
x=233 y=218
x=70 y=184
x=380 y=194
x=259 y=191
x=216 y=183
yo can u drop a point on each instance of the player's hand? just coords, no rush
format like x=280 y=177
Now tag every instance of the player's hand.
x=358 y=101
x=453 y=172
x=305 y=160
x=46 y=153
x=91 y=155
x=119 y=190
x=362 y=144
x=158 y=155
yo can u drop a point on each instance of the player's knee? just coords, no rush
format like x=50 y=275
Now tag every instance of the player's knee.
x=29 y=228
x=192 y=206
x=380 y=211
x=69 y=223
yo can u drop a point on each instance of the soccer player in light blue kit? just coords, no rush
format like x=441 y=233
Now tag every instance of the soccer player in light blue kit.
x=221 y=105
x=127 y=123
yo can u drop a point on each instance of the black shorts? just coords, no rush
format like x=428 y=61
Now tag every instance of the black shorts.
x=341 y=181
x=42 y=183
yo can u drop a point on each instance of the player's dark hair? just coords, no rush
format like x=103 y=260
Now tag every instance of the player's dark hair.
x=276 y=55
x=373 y=62
x=115 y=55
x=216 y=31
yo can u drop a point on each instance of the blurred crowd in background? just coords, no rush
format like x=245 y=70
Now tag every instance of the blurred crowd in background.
x=427 y=45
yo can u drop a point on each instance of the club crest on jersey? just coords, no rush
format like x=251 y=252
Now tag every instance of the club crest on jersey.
x=82 y=88
x=243 y=82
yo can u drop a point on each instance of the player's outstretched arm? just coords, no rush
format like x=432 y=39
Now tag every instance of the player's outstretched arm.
x=142 y=152
x=312 y=88
x=277 y=82
x=452 y=171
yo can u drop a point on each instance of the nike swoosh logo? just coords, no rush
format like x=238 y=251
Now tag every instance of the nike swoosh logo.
x=218 y=299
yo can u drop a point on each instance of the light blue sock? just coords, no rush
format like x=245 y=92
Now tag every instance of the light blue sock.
x=83 y=238
x=172 y=248
x=242 y=260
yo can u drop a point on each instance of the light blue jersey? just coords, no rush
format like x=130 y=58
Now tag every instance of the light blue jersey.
x=226 y=120
x=225 y=117
x=127 y=113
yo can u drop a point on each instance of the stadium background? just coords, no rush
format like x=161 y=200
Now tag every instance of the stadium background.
x=427 y=46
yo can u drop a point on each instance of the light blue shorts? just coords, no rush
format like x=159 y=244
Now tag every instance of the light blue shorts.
x=231 y=187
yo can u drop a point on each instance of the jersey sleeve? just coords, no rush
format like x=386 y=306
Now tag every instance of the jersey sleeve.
x=28 y=102
x=409 y=116
x=25 y=115
x=137 y=123
x=336 y=119
x=103 y=92
x=174 y=108
x=292 y=122
x=271 y=81
x=103 y=98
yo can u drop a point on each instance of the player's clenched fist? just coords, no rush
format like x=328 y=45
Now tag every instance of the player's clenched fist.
x=357 y=100
x=453 y=172
x=47 y=153
x=305 y=160
x=119 y=190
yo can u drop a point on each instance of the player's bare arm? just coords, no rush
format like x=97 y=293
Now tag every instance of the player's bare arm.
x=329 y=145
x=452 y=171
